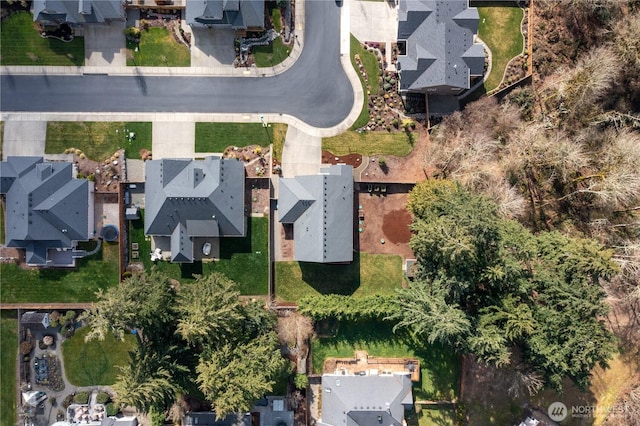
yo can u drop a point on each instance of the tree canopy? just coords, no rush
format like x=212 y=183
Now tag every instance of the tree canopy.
x=485 y=285
x=196 y=335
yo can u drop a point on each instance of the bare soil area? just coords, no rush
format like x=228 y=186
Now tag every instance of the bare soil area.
x=383 y=218
x=354 y=160
x=409 y=169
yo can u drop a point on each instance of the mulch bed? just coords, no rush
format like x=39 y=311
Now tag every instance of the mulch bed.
x=350 y=159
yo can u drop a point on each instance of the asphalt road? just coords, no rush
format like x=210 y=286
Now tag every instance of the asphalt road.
x=315 y=89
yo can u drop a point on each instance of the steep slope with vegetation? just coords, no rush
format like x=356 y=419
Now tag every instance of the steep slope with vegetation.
x=563 y=158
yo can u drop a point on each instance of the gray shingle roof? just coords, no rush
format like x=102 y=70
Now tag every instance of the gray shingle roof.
x=359 y=400
x=194 y=198
x=46 y=207
x=35 y=320
x=320 y=207
x=77 y=11
x=238 y=14
x=440 y=52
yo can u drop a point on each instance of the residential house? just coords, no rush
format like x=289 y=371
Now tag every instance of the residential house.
x=441 y=56
x=35 y=321
x=77 y=12
x=320 y=209
x=47 y=211
x=365 y=400
x=190 y=199
x=240 y=15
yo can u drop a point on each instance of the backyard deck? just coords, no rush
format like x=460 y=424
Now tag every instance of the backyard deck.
x=363 y=364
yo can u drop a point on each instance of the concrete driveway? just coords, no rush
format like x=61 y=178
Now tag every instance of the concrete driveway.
x=24 y=138
x=173 y=139
x=375 y=21
x=211 y=47
x=104 y=45
x=302 y=153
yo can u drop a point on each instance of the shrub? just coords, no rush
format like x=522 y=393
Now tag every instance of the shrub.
x=112 y=409
x=67 y=401
x=301 y=381
x=386 y=86
x=395 y=123
x=81 y=397
x=70 y=315
x=54 y=318
x=126 y=274
x=132 y=34
x=103 y=398
x=52 y=400
x=382 y=161
x=26 y=347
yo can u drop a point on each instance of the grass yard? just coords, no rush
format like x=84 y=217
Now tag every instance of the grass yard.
x=368 y=274
x=95 y=363
x=279 y=136
x=272 y=54
x=97 y=139
x=369 y=143
x=429 y=416
x=372 y=68
x=274 y=12
x=8 y=354
x=61 y=285
x=216 y=137
x=158 y=48
x=500 y=29
x=439 y=368
x=244 y=260
x=21 y=44
x=1 y=222
x=1 y=136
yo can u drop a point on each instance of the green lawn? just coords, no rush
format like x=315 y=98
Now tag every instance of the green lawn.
x=21 y=44
x=369 y=143
x=1 y=223
x=216 y=137
x=1 y=136
x=439 y=368
x=94 y=363
x=244 y=260
x=500 y=29
x=279 y=136
x=8 y=354
x=429 y=416
x=274 y=12
x=98 y=139
x=61 y=285
x=271 y=54
x=368 y=274
x=158 y=48
x=372 y=68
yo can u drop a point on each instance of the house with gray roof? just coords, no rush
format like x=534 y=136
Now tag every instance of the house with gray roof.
x=189 y=199
x=77 y=12
x=441 y=54
x=320 y=208
x=240 y=15
x=47 y=211
x=365 y=400
x=35 y=321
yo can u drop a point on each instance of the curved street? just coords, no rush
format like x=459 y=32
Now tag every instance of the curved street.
x=315 y=89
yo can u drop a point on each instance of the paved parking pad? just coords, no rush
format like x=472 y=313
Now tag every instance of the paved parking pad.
x=24 y=138
x=212 y=47
x=173 y=139
x=104 y=45
x=302 y=153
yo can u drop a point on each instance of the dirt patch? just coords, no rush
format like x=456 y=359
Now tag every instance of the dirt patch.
x=106 y=174
x=354 y=160
x=395 y=226
x=257 y=195
x=255 y=157
x=371 y=211
x=400 y=169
